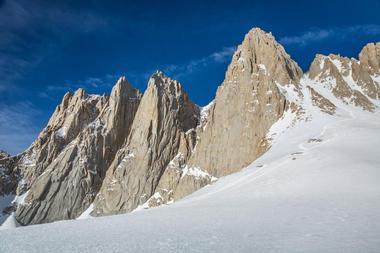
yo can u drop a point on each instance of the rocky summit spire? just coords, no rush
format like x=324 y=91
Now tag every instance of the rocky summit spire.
x=246 y=105
x=118 y=118
x=260 y=51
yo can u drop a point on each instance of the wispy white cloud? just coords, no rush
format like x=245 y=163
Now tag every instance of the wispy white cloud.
x=315 y=35
x=94 y=82
x=17 y=126
x=307 y=37
x=221 y=56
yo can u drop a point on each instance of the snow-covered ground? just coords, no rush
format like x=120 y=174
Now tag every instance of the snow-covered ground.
x=316 y=190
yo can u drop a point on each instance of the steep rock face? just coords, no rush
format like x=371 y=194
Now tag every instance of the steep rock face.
x=179 y=180
x=246 y=105
x=366 y=72
x=70 y=182
x=9 y=174
x=351 y=81
x=164 y=116
x=370 y=57
x=69 y=119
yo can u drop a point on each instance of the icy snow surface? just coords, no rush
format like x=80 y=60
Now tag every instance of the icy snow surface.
x=316 y=190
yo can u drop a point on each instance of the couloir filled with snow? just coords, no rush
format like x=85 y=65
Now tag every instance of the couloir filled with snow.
x=316 y=190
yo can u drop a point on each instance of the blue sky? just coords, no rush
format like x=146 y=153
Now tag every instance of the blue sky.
x=50 y=47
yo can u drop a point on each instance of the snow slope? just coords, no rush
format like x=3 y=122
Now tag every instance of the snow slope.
x=316 y=190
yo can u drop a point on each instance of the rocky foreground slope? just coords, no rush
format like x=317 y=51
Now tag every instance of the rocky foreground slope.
x=113 y=154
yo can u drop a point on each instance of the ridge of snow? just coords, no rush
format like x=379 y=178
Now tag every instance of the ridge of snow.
x=263 y=68
x=86 y=213
x=205 y=114
x=95 y=124
x=289 y=93
x=61 y=132
x=157 y=196
x=196 y=172
x=338 y=64
x=322 y=63
x=20 y=200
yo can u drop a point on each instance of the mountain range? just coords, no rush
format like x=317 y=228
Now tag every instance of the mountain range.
x=127 y=151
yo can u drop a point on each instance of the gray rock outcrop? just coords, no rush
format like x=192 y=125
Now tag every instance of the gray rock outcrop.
x=9 y=174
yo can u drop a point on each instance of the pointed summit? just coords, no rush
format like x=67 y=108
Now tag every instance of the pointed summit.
x=246 y=105
x=162 y=82
x=158 y=73
x=258 y=32
x=158 y=77
x=80 y=93
x=260 y=50
x=123 y=103
x=122 y=81
x=123 y=88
